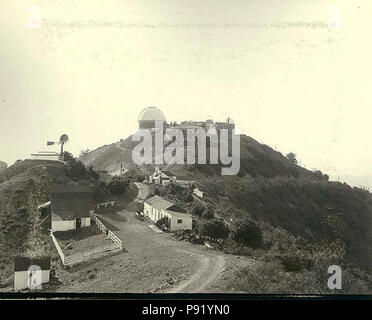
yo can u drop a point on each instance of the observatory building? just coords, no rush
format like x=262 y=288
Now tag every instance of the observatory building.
x=148 y=116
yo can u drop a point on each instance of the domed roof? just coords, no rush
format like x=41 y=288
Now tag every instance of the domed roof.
x=151 y=114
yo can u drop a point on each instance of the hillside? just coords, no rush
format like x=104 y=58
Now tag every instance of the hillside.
x=110 y=157
x=256 y=160
x=275 y=193
x=22 y=230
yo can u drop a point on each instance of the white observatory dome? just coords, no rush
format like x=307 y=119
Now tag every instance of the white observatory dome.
x=149 y=115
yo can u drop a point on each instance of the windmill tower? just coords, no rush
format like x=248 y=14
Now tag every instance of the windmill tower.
x=62 y=141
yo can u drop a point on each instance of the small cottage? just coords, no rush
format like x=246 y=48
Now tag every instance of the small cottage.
x=31 y=273
x=162 y=177
x=156 y=208
x=70 y=207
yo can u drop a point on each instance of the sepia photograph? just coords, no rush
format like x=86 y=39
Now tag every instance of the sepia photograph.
x=173 y=147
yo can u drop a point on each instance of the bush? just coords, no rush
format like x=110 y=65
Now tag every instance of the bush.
x=249 y=234
x=215 y=230
x=117 y=186
x=293 y=263
x=208 y=214
x=198 y=210
x=163 y=223
x=76 y=170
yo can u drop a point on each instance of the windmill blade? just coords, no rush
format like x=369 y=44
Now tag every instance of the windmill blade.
x=63 y=139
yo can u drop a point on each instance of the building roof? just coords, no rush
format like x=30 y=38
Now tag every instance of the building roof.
x=178 y=214
x=176 y=208
x=151 y=114
x=71 y=202
x=23 y=263
x=159 y=203
x=168 y=173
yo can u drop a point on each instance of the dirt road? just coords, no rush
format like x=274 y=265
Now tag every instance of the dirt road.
x=153 y=262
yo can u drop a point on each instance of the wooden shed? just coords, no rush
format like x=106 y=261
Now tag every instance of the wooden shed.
x=156 y=208
x=70 y=206
x=31 y=272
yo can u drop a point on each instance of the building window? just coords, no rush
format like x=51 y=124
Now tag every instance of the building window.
x=179 y=220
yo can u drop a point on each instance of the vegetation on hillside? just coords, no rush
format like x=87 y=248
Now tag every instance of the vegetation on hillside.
x=294 y=220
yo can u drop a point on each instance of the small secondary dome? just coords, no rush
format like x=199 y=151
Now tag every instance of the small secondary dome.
x=148 y=116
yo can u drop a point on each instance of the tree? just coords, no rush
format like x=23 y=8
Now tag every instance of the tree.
x=318 y=174
x=93 y=173
x=215 y=230
x=249 y=234
x=117 y=186
x=292 y=157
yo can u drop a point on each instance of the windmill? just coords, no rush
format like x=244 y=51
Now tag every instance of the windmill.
x=62 y=141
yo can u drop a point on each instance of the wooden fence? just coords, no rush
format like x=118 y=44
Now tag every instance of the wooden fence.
x=91 y=254
x=60 y=252
x=94 y=253
x=109 y=233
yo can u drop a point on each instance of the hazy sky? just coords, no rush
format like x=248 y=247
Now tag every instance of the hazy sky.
x=275 y=67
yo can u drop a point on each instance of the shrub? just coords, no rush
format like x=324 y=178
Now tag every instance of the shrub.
x=163 y=223
x=208 y=214
x=198 y=210
x=215 y=230
x=93 y=173
x=292 y=263
x=249 y=234
x=117 y=186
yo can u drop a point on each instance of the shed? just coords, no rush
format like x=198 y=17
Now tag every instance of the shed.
x=156 y=208
x=71 y=207
x=31 y=272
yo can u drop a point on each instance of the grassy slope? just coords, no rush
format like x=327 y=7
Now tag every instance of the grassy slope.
x=22 y=231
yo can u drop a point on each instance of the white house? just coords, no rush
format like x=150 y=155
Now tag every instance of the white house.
x=198 y=193
x=156 y=208
x=70 y=207
x=31 y=273
x=162 y=177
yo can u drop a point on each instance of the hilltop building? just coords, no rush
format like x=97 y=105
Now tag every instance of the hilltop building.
x=148 y=116
x=209 y=125
x=71 y=207
x=47 y=155
x=156 y=208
